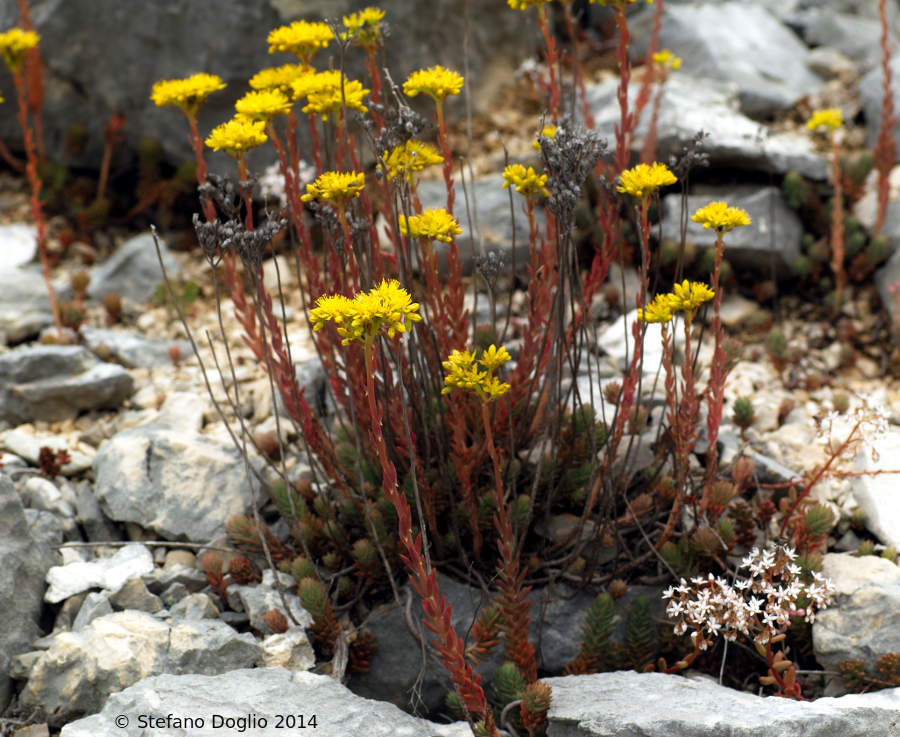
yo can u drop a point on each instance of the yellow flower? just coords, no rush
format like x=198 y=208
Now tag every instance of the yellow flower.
x=188 y=94
x=641 y=180
x=279 y=78
x=436 y=82
x=831 y=118
x=331 y=100
x=493 y=358
x=413 y=156
x=667 y=59
x=435 y=224
x=720 y=217
x=336 y=186
x=301 y=38
x=237 y=135
x=364 y=27
x=526 y=181
x=525 y=4
x=659 y=310
x=14 y=44
x=463 y=373
x=360 y=318
x=688 y=296
x=263 y=104
x=548 y=131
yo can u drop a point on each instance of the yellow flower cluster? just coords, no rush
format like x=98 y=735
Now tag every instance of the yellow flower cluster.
x=237 y=135
x=279 y=78
x=435 y=224
x=412 y=156
x=720 y=217
x=360 y=318
x=322 y=91
x=525 y=4
x=641 y=180
x=337 y=187
x=464 y=373
x=263 y=104
x=526 y=181
x=188 y=93
x=684 y=297
x=831 y=118
x=301 y=38
x=14 y=44
x=364 y=28
x=548 y=131
x=667 y=59
x=436 y=82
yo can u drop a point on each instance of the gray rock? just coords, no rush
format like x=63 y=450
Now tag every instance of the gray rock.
x=257 y=599
x=864 y=620
x=24 y=304
x=55 y=382
x=81 y=669
x=28 y=446
x=626 y=704
x=96 y=52
x=857 y=38
x=871 y=94
x=265 y=693
x=23 y=564
x=773 y=238
x=18 y=245
x=41 y=493
x=131 y=350
x=104 y=573
x=194 y=607
x=489 y=206
x=874 y=492
x=89 y=515
x=47 y=528
x=759 y=53
x=134 y=595
x=159 y=579
x=830 y=63
x=95 y=605
x=132 y=271
x=181 y=485
x=690 y=104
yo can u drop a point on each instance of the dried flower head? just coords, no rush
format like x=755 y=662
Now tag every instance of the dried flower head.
x=759 y=606
x=279 y=78
x=188 y=94
x=301 y=38
x=642 y=180
x=237 y=136
x=464 y=373
x=364 y=28
x=14 y=44
x=436 y=82
x=263 y=104
x=436 y=224
x=720 y=217
x=526 y=181
x=337 y=187
x=569 y=155
x=360 y=318
x=412 y=156
x=830 y=118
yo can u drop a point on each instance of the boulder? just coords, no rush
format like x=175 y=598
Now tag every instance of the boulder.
x=256 y=701
x=132 y=350
x=133 y=271
x=55 y=382
x=81 y=669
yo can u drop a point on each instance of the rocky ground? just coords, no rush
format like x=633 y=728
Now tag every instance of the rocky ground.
x=102 y=631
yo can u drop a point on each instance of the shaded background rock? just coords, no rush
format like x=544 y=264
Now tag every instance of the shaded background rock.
x=105 y=55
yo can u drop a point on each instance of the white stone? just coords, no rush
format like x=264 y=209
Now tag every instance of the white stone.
x=18 y=245
x=106 y=573
x=878 y=494
x=290 y=650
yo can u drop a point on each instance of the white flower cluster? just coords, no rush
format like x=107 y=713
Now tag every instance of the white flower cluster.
x=758 y=606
